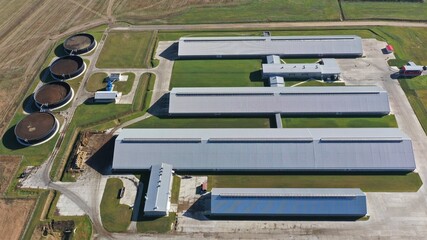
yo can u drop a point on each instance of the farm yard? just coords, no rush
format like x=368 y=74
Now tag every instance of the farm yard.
x=28 y=43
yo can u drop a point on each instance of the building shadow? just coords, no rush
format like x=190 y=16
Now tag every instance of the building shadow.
x=45 y=76
x=161 y=107
x=285 y=218
x=170 y=53
x=200 y=208
x=256 y=76
x=29 y=105
x=9 y=140
x=101 y=161
x=60 y=51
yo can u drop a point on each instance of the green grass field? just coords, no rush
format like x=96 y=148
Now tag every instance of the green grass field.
x=384 y=10
x=340 y=122
x=125 y=87
x=155 y=122
x=416 y=92
x=173 y=12
x=368 y=183
x=96 y=82
x=217 y=73
x=115 y=216
x=408 y=43
x=175 y=189
x=126 y=50
x=156 y=225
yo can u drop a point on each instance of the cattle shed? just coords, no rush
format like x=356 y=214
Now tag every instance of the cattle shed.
x=296 y=101
x=292 y=202
x=298 y=149
x=343 y=46
x=326 y=69
x=158 y=196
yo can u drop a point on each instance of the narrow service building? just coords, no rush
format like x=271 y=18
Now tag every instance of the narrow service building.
x=288 y=202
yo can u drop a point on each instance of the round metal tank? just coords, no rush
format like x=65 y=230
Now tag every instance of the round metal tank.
x=79 y=43
x=67 y=67
x=36 y=128
x=53 y=95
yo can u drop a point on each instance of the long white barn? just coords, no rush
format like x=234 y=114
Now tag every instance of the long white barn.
x=345 y=100
x=327 y=149
x=284 y=46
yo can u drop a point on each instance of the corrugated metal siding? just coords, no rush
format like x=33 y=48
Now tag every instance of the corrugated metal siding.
x=292 y=150
x=307 y=46
x=158 y=193
x=293 y=202
x=303 y=100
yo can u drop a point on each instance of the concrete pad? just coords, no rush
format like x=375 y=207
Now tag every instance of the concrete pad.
x=66 y=207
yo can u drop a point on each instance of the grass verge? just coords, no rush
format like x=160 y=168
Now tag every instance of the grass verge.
x=416 y=92
x=126 y=50
x=340 y=122
x=156 y=225
x=217 y=73
x=115 y=216
x=410 y=182
x=156 y=122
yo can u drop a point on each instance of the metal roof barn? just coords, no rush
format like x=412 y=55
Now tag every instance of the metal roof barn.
x=301 y=202
x=341 y=100
x=157 y=201
x=318 y=149
x=284 y=46
x=325 y=68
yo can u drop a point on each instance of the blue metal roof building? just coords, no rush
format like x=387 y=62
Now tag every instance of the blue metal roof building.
x=292 y=202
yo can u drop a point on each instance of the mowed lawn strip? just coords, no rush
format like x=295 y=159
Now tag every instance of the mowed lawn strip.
x=125 y=50
x=115 y=216
x=262 y=11
x=217 y=73
x=401 y=10
x=340 y=122
x=125 y=86
x=96 y=82
x=410 y=182
x=226 y=11
x=176 y=184
x=156 y=225
x=155 y=122
x=416 y=92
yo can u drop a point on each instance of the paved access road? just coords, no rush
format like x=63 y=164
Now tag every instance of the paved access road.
x=270 y=25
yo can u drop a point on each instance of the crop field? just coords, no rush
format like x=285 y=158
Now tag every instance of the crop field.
x=224 y=11
x=384 y=10
x=217 y=73
x=126 y=50
x=410 y=182
x=8 y=167
x=416 y=92
x=14 y=215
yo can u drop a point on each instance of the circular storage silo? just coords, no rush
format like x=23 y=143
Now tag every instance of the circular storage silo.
x=36 y=128
x=53 y=95
x=79 y=43
x=67 y=67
